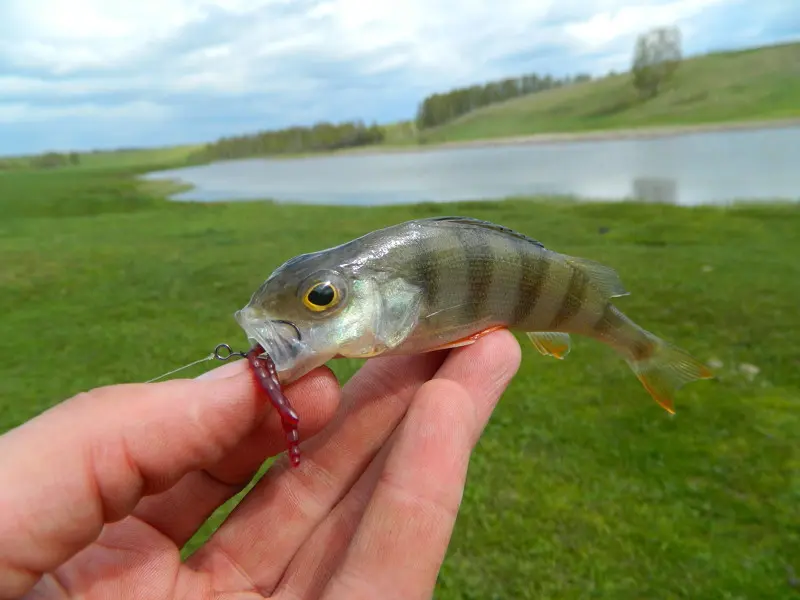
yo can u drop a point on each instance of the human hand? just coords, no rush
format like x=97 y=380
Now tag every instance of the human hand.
x=99 y=493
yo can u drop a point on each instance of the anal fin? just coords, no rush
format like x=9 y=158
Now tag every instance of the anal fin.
x=550 y=343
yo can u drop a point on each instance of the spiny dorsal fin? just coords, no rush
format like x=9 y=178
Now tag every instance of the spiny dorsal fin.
x=473 y=222
x=604 y=278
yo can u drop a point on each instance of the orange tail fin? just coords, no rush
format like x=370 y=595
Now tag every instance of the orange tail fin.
x=667 y=369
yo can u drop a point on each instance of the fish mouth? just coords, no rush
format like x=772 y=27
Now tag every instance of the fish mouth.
x=281 y=339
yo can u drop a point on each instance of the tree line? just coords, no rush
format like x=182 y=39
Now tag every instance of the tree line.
x=437 y=109
x=320 y=137
x=656 y=58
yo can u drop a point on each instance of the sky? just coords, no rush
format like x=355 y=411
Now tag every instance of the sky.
x=96 y=74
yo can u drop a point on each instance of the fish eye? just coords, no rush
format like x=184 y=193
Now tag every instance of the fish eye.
x=321 y=296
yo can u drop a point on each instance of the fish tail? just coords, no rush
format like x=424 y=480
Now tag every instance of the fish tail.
x=663 y=368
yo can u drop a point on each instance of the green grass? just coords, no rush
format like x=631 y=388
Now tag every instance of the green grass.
x=134 y=159
x=123 y=159
x=747 y=85
x=401 y=133
x=581 y=487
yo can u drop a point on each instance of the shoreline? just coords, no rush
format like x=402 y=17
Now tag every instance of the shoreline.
x=600 y=135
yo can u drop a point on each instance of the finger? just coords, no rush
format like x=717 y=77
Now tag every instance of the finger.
x=229 y=369
x=90 y=459
x=257 y=541
x=320 y=555
x=179 y=511
x=484 y=370
x=419 y=491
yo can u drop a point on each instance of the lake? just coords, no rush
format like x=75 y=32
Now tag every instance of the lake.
x=687 y=169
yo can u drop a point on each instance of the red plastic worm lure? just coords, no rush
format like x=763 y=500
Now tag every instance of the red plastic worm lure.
x=267 y=376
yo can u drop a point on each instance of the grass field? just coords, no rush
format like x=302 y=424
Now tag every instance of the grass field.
x=582 y=487
x=120 y=159
x=747 y=85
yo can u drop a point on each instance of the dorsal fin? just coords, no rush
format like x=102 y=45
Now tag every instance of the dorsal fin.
x=473 y=222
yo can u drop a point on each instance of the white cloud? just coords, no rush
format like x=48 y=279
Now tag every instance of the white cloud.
x=28 y=87
x=64 y=37
x=20 y=112
x=627 y=20
x=446 y=38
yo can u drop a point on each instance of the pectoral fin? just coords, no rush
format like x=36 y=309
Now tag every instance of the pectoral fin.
x=550 y=343
x=397 y=313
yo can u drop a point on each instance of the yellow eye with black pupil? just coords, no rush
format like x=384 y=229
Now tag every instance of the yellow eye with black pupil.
x=321 y=296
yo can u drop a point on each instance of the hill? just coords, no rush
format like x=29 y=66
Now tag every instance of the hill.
x=744 y=85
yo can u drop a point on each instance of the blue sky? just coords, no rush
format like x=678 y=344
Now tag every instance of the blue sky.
x=90 y=74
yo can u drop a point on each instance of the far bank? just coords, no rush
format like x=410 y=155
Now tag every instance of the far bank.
x=630 y=133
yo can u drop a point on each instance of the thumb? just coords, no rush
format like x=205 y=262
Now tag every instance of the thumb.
x=89 y=460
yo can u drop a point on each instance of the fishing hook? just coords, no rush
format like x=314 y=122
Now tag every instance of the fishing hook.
x=292 y=325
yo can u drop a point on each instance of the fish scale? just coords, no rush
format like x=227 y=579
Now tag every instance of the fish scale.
x=511 y=281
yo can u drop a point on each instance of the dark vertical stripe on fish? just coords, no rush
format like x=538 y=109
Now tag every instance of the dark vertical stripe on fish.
x=534 y=265
x=480 y=269
x=642 y=348
x=425 y=267
x=607 y=323
x=611 y=326
x=573 y=299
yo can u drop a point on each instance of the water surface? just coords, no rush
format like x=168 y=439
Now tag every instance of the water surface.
x=689 y=169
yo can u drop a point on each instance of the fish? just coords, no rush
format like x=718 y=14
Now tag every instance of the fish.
x=439 y=283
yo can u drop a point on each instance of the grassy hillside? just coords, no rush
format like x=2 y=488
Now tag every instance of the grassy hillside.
x=140 y=159
x=761 y=83
x=581 y=487
x=122 y=159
